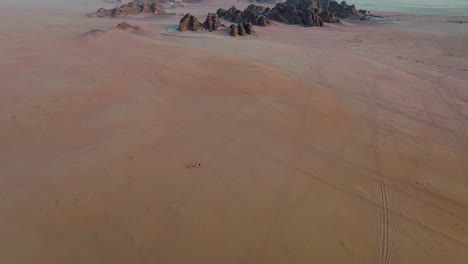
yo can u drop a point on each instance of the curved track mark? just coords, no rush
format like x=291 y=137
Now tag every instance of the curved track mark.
x=383 y=192
x=413 y=177
x=383 y=196
x=286 y=189
x=401 y=205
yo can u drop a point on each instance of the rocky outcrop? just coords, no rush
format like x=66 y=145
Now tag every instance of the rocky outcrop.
x=93 y=33
x=101 y=12
x=304 y=4
x=252 y=14
x=249 y=29
x=298 y=12
x=125 y=26
x=343 y=10
x=232 y=14
x=212 y=22
x=329 y=17
x=131 y=9
x=312 y=12
x=190 y=23
x=241 y=29
x=259 y=10
x=234 y=31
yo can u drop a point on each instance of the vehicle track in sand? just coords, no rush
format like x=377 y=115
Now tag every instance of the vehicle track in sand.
x=383 y=195
x=169 y=213
x=273 y=236
x=385 y=246
x=386 y=252
x=447 y=256
x=413 y=175
x=284 y=194
x=313 y=177
x=401 y=204
x=290 y=179
x=384 y=240
x=454 y=108
x=275 y=226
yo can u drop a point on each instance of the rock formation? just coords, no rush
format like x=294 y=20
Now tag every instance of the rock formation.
x=189 y=22
x=241 y=29
x=93 y=33
x=343 y=10
x=121 y=26
x=312 y=12
x=299 y=12
x=304 y=4
x=212 y=22
x=131 y=9
x=101 y=12
x=329 y=17
x=249 y=29
x=125 y=26
x=252 y=14
x=234 y=30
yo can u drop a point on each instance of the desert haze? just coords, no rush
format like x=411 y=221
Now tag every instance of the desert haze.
x=340 y=143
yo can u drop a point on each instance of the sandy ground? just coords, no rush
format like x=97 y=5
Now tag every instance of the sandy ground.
x=342 y=144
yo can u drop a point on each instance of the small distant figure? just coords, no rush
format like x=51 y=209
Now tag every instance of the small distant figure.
x=193 y=165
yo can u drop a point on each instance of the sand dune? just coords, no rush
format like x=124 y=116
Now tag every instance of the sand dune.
x=313 y=145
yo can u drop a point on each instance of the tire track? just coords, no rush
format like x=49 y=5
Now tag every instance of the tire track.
x=453 y=107
x=170 y=215
x=384 y=240
x=316 y=178
x=413 y=176
x=245 y=207
x=297 y=202
x=313 y=177
x=426 y=249
x=459 y=118
x=275 y=236
x=275 y=225
x=282 y=196
x=404 y=196
x=286 y=251
x=383 y=197
x=448 y=259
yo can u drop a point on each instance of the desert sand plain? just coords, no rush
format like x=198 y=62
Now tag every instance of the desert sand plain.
x=341 y=144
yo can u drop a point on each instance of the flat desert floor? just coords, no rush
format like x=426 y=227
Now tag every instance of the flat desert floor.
x=342 y=144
